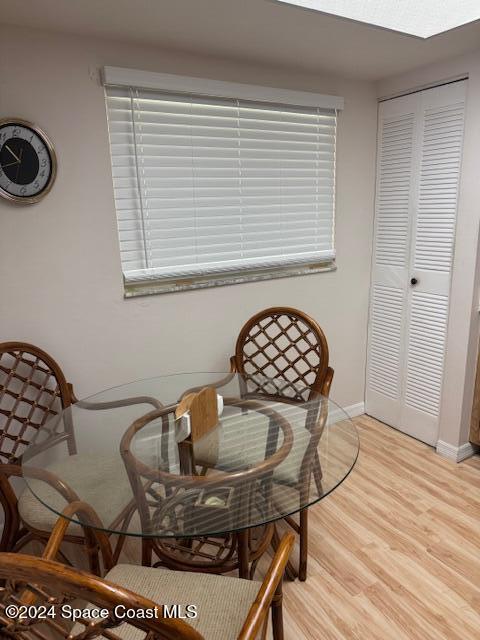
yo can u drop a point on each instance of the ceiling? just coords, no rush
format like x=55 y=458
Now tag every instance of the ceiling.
x=261 y=31
x=422 y=19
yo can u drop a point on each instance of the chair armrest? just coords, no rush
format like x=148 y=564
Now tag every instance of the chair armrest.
x=73 y=397
x=219 y=383
x=327 y=383
x=50 y=478
x=94 y=538
x=233 y=365
x=52 y=441
x=273 y=578
x=114 y=404
x=92 y=527
x=37 y=578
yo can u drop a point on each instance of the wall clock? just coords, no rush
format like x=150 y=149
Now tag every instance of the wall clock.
x=27 y=161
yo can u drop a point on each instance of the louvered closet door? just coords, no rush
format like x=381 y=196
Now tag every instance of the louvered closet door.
x=394 y=213
x=441 y=118
x=418 y=170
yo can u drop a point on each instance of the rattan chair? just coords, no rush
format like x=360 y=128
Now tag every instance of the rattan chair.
x=33 y=389
x=286 y=344
x=167 y=500
x=227 y=608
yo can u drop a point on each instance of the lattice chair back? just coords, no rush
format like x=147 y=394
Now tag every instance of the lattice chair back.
x=283 y=354
x=56 y=589
x=33 y=389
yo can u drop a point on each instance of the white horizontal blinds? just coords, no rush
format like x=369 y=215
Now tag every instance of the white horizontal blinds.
x=128 y=202
x=211 y=185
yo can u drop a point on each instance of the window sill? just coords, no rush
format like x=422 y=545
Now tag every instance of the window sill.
x=136 y=289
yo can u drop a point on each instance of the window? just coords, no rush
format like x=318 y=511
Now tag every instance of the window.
x=212 y=189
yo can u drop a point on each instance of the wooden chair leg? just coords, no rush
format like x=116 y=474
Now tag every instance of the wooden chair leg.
x=302 y=570
x=146 y=553
x=11 y=521
x=317 y=474
x=243 y=554
x=277 y=613
x=93 y=560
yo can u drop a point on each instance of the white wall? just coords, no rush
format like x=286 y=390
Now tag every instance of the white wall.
x=463 y=330
x=60 y=277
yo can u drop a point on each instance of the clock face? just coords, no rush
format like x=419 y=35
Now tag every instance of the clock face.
x=27 y=162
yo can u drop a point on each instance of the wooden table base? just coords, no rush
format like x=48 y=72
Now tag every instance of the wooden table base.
x=239 y=551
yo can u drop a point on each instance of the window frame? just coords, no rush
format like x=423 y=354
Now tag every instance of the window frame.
x=121 y=77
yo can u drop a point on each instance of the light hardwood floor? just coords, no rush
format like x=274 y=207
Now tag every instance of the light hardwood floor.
x=395 y=550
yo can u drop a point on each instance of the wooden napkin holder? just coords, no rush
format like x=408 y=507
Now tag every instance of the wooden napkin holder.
x=203 y=410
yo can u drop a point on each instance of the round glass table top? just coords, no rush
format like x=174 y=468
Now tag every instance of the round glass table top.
x=138 y=459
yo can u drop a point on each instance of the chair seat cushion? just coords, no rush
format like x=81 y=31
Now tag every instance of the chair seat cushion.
x=222 y=602
x=101 y=482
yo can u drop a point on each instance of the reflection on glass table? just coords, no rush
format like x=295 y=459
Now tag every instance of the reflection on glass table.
x=264 y=460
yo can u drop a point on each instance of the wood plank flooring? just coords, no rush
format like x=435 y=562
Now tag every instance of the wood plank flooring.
x=395 y=550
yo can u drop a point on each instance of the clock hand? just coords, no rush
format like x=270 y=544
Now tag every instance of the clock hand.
x=10 y=164
x=19 y=165
x=14 y=154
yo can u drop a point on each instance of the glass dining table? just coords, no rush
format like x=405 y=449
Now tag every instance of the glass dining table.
x=209 y=503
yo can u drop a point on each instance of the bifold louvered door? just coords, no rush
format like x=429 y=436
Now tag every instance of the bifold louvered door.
x=418 y=172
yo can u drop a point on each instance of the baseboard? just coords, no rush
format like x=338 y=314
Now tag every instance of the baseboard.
x=352 y=410
x=452 y=452
x=355 y=410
